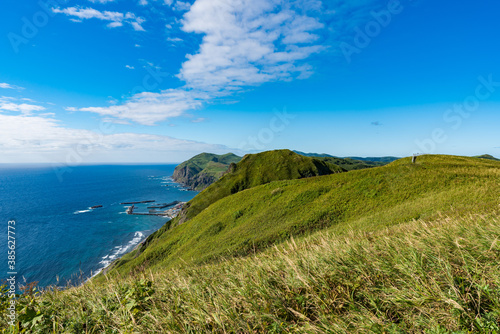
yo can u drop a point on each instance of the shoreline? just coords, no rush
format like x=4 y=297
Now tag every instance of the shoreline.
x=168 y=214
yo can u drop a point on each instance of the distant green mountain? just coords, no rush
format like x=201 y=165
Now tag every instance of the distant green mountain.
x=204 y=169
x=315 y=155
x=487 y=156
x=351 y=163
x=385 y=160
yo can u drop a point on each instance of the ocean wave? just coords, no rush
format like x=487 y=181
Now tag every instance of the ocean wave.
x=118 y=251
x=82 y=211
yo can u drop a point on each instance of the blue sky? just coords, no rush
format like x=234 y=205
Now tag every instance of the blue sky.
x=161 y=80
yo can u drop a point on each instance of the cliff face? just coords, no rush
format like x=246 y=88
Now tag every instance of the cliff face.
x=185 y=175
x=202 y=170
x=198 y=181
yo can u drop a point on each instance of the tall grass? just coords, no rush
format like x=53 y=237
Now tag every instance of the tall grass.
x=434 y=277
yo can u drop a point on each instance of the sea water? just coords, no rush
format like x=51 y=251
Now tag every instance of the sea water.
x=58 y=236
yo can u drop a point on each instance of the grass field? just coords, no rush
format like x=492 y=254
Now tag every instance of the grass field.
x=435 y=277
x=404 y=248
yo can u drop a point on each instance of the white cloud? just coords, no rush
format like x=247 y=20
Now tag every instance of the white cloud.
x=71 y=109
x=116 y=18
x=101 y=1
x=182 y=6
x=168 y=2
x=9 y=86
x=114 y=24
x=7 y=105
x=199 y=120
x=143 y=2
x=245 y=43
x=150 y=108
x=174 y=39
x=137 y=24
x=42 y=139
x=130 y=67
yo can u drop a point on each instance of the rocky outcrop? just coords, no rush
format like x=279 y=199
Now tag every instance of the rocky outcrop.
x=202 y=170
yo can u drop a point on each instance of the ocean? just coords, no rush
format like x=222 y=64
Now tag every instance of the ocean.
x=58 y=237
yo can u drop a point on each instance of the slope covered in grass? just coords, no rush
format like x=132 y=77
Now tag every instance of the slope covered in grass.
x=434 y=277
x=204 y=169
x=257 y=169
x=370 y=199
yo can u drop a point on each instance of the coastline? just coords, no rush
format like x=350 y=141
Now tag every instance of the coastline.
x=134 y=244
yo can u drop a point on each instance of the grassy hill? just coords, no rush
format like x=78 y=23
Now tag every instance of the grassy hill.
x=257 y=169
x=204 y=169
x=351 y=163
x=370 y=199
x=404 y=248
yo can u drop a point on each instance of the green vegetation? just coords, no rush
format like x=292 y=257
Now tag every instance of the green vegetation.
x=487 y=156
x=432 y=277
x=353 y=163
x=257 y=169
x=350 y=164
x=369 y=199
x=403 y=248
x=204 y=169
x=384 y=160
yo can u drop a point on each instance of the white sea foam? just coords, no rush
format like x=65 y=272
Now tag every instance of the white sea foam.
x=82 y=211
x=118 y=251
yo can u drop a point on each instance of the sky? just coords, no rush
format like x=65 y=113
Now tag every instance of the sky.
x=122 y=81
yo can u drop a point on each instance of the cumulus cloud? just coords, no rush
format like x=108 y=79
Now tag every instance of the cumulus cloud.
x=44 y=139
x=245 y=43
x=130 y=67
x=116 y=19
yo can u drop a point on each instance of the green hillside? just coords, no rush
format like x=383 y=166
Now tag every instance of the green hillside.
x=257 y=169
x=204 y=169
x=404 y=248
x=368 y=200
